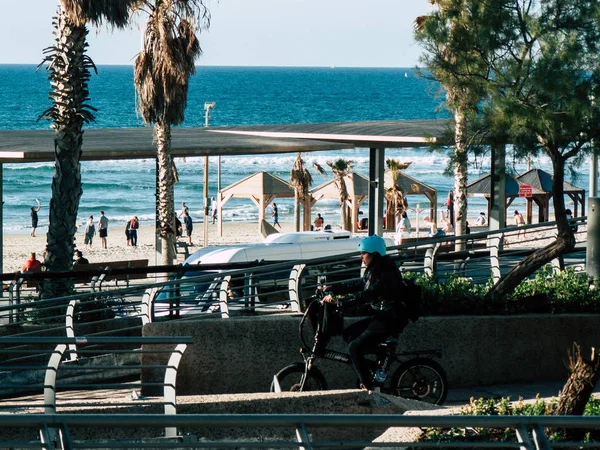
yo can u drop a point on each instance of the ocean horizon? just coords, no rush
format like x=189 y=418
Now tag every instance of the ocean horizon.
x=244 y=95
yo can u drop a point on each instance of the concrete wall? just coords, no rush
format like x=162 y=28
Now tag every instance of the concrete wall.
x=242 y=354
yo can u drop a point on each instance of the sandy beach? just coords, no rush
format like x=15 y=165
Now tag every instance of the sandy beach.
x=18 y=246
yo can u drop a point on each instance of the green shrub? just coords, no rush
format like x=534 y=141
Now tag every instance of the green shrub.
x=548 y=291
x=503 y=407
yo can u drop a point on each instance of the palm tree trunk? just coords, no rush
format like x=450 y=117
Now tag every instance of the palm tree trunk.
x=460 y=177
x=565 y=240
x=296 y=210
x=165 y=201
x=69 y=95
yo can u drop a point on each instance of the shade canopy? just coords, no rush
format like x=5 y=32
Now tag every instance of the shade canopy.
x=543 y=181
x=541 y=192
x=261 y=188
x=358 y=191
x=412 y=186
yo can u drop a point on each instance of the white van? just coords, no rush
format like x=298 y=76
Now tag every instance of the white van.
x=263 y=287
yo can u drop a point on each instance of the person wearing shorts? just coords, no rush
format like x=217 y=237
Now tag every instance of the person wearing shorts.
x=103 y=229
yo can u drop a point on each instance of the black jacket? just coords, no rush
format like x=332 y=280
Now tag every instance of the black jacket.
x=383 y=293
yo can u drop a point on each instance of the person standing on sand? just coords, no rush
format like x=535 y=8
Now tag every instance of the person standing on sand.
x=134 y=224
x=519 y=221
x=275 y=215
x=213 y=209
x=103 y=229
x=189 y=226
x=90 y=231
x=34 y=217
x=184 y=208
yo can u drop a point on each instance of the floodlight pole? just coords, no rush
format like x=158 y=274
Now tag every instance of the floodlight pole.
x=207 y=108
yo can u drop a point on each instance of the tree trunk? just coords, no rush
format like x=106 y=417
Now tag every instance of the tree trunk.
x=165 y=201
x=69 y=96
x=565 y=240
x=460 y=178
x=579 y=387
x=296 y=211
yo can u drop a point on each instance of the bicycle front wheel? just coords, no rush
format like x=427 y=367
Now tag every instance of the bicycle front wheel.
x=290 y=379
x=421 y=379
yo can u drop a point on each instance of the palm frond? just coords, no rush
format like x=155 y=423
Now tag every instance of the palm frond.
x=114 y=13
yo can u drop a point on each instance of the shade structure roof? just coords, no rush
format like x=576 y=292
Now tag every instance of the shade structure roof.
x=410 y=185
x=355 y=183
x=543 y=181
x=373 y=134
x=483 y=186
x=137 y=143
x=257 y=184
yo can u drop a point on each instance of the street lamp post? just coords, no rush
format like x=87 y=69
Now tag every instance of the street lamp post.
x=208 y=106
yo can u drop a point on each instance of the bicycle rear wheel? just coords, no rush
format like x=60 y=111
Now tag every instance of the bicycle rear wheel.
x=421 y=379
x=290 y=379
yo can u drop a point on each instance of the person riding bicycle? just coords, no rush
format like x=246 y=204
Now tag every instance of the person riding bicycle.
x=381 y=287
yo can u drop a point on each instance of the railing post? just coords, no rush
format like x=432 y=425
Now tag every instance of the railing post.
x=169 y=395
x=294 y=286
x=523 y=438
x=303 y=438
x=540 y=438
x=494 y=243
x=224 y=297
x=70 y=328
x=50 y=379
x=429 y=260
x=147 y=305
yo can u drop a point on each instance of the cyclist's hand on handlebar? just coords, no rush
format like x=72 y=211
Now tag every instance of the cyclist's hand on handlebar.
x=330 y=299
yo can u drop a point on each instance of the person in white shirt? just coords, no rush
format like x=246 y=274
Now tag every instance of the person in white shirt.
x=481 y=220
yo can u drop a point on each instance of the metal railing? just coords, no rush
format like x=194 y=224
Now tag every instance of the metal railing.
x=62 y=431
x=233 y=289
x=38 y=368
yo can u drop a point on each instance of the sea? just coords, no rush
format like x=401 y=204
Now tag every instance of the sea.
x=243 y=96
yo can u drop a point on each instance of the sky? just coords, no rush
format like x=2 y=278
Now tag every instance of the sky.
x=342 y=33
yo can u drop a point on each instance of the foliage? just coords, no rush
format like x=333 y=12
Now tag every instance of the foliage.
x=340 y=168
x=549 y=291
x=503 y=407
x=69 y=70
x=161 y=75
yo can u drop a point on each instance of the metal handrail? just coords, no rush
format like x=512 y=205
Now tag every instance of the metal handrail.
x=529 y=430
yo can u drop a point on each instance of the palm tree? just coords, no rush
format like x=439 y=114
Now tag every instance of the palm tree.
x=340 y=168
x=301 y=180
x=447 y=35
x=161 y=74
x=394 y=195
x=69 y=70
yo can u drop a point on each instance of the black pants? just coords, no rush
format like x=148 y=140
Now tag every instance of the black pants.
x=362 y=337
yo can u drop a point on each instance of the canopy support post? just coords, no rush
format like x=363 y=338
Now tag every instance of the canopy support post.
x=376 y=190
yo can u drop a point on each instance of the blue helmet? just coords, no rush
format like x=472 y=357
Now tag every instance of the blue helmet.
x=372 y=244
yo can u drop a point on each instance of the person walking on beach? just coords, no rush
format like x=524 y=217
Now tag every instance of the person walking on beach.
x=213 y=209
x=184 y=208
x=189 y=226
x=134 y=224
x=103 y=229
x=34 y=217
x=90 y=231
x=275 y=215
x=519 y=221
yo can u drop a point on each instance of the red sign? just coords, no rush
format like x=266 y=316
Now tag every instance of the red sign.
x=525 y=190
